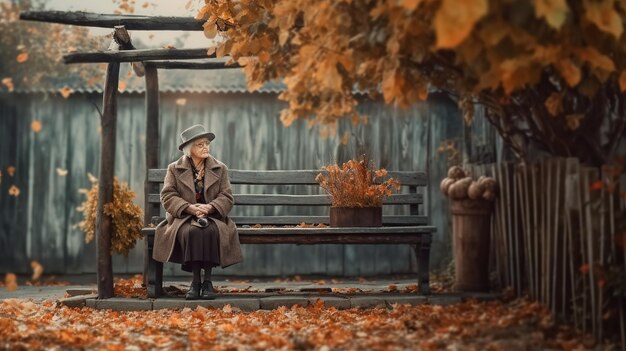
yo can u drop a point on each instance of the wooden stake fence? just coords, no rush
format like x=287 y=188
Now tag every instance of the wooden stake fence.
x=555 y=237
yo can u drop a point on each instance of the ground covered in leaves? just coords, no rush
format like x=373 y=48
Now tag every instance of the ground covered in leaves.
x=472 y=325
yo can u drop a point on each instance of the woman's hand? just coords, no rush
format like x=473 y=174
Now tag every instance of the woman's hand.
x=197 y=210
x=208 y=208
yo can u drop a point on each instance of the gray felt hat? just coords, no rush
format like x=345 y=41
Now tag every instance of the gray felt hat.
x=192 y=133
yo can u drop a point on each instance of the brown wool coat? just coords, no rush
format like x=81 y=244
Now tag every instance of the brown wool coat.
x=179 y=192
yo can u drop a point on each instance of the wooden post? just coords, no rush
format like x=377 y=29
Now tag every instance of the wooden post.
x=152 y=135
x=150 y=269
x=104 y=225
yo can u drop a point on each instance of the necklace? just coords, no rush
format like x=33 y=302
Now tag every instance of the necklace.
x=198 y=170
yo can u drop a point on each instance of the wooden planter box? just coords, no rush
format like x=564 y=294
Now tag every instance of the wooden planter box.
x=356 y=216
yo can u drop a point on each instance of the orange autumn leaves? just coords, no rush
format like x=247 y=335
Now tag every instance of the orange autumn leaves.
x=13 y=189
x=471 y=325
x=10 y=279
x=36 y=126
x=130 y=287
x=464 y=15
x=402 y=49
x=21 y=58
x=10 y=282
x=31 y=51
x=8 y=83
x=126 y=216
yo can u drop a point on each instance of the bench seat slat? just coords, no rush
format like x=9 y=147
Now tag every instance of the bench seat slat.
x=302 y=200
x=295 y=220
x=400 y=230
x=307 y=239
x=292 y=177
x=351 y=235
x=405 y=230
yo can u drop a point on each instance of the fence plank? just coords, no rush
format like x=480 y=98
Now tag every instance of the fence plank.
x=518 y=241
x=568 y=247
x=504 y=237
x=587 y=180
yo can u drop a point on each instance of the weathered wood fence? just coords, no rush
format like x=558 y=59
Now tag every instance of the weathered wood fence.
x=555 y=237
x=39 y=224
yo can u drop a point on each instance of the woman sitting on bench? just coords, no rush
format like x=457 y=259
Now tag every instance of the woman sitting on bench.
x=197 y=198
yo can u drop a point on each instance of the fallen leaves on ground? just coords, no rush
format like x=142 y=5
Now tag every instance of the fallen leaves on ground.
x=10 y=280
x=347 y=290
x=131 y=287
x=495 y=325
x=309 y=225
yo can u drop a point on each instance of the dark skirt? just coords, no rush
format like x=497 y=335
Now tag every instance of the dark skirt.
x=197 y=244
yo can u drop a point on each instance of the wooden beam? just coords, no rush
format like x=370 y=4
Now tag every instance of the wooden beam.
x=190 y=65
x=131 y=22
x=136 y=55
x=104 y=223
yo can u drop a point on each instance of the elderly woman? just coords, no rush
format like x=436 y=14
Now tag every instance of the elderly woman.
x=197 y=198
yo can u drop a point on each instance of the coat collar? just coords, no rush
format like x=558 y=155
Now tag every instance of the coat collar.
x=211 y=165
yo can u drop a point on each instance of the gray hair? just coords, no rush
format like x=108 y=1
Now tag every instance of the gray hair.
x=187 y=149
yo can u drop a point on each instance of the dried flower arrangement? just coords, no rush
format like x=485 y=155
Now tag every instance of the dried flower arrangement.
x=356 y=183
x=127 y=216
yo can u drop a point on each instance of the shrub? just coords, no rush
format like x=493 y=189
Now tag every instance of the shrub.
x=127 y=216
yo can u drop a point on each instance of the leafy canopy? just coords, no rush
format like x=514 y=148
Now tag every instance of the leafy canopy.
x=325 y=48
x=485 y=51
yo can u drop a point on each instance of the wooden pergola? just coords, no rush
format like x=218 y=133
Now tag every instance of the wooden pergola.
x=147 y=63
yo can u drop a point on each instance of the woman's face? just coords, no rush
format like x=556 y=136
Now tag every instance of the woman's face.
x=200 y=148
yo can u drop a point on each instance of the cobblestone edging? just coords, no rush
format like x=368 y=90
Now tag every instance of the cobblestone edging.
x=263 y=302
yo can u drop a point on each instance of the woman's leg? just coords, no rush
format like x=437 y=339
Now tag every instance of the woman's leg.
x=196 y=268
x=207 y=285
x=196 y=285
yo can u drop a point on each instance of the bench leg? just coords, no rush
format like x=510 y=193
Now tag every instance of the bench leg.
x=153 y=270
x=422 y=254
x=155 y=279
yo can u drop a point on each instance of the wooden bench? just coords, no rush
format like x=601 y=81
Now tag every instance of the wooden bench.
x=412 y=229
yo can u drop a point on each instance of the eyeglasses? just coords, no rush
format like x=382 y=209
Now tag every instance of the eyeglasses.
x=202 y=145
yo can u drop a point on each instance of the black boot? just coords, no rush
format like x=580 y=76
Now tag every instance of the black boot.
x=207 y=291
x=194 y=291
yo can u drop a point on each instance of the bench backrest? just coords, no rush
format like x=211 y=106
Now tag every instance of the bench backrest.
x=283 y=183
